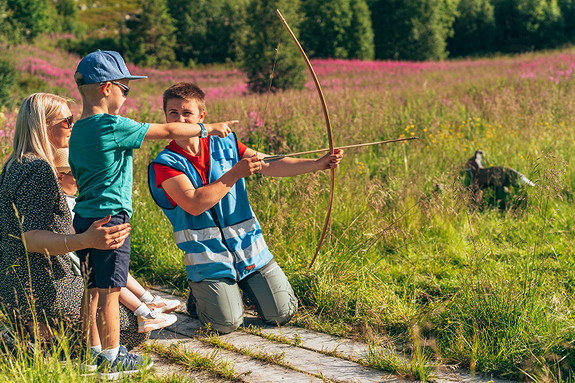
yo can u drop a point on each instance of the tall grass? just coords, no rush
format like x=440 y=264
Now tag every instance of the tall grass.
x=490 y=290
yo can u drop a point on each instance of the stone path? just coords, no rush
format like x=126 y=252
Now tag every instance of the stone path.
x=274 y=354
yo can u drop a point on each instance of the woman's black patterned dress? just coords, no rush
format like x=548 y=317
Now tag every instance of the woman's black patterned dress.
x=33 y=284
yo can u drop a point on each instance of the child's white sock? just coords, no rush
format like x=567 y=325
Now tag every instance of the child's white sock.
x=147 y=297
x=97 y=349
x=143 y=310
x=111 y=354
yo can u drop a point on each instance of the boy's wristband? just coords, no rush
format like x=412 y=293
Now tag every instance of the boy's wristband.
x=204 y=132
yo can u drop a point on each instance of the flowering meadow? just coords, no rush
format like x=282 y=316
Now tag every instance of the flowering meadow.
x=409 y=260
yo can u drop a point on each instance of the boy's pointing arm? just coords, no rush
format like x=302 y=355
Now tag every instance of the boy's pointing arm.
x=181 y=130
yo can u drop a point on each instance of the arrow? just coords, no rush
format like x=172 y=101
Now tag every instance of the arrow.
x=280 y=156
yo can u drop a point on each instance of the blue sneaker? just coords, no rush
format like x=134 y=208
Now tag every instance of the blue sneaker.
x=125 y=364
x=90 y=361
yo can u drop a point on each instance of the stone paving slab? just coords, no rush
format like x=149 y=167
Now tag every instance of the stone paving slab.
x=251 y=370
x=308 y=359
x=165 y=369
x=356 y=350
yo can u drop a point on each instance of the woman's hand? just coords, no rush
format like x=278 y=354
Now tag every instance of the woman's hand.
x=104 y=238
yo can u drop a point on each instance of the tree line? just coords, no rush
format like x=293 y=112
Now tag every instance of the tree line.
x=191 y=32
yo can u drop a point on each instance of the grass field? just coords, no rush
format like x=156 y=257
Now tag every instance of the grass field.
x=407 y=259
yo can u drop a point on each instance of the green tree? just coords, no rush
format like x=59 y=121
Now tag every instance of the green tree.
x=528 y=24
x=360 y=34
x=412 y=29
x=9 y=32
x=473 y=29
x=67 y=16
x=337 y=29
x=567 y=9
x=325 y=27
x=31 y=17
x=263 y=30
x=7 y=80
x=151 y=38
x=207 y=31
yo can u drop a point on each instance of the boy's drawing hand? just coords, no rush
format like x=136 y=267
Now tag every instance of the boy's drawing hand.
x=248 y=166
x=221 y=129
x=104 y=238
x=331 y=161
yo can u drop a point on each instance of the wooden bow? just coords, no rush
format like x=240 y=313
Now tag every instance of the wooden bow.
x=329 y=135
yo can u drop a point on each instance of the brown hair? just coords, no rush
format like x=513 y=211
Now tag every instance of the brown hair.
x=186 y=91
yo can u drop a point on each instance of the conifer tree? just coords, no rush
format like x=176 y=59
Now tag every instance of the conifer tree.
x=207 y=31
x=527 y=24
x=151 y=39
x=324 y=31
x=360 y=34
x=263 y=30
x=474 y=28
x=412 y=29
x=567 y=9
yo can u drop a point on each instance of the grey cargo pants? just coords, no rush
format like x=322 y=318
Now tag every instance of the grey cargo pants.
x=219 y=301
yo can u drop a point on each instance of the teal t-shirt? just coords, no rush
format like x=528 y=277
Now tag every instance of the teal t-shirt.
x=101 y=160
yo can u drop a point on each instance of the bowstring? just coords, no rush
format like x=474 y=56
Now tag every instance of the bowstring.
x=264 y=114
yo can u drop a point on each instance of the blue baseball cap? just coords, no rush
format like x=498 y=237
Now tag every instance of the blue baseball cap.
x=102 y=66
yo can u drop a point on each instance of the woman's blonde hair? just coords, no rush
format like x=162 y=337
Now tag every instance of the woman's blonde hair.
x=37 y=112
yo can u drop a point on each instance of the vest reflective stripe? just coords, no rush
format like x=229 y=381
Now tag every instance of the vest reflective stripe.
x=208 y=257
x=239 y=230
x=188 y=235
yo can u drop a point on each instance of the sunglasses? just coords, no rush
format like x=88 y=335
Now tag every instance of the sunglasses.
x=69 y=121
x=125 y=88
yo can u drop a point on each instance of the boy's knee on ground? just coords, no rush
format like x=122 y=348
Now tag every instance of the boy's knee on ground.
x=274 y=297
x=282 y=314
x=223 y=324
x=219 y=304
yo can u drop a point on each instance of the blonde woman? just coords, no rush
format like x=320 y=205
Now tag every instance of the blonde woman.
x=37 y=283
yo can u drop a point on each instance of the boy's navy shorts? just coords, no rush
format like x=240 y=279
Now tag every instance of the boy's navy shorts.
x=104 y=268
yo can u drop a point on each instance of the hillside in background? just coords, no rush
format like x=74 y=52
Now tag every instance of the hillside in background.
x=103 y=18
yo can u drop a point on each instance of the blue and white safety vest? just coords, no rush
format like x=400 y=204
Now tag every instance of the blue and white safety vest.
x=225 y=241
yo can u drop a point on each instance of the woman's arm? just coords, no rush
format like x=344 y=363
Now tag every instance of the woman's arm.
x=97 y=237
x=36 y=202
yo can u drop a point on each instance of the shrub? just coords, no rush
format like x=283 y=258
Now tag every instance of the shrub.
x=7 y=82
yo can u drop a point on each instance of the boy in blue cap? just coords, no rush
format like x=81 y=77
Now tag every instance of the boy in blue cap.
x=101 y=146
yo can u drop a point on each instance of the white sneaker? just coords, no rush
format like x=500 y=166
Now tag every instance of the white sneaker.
x=156 y=321
x=163 y=305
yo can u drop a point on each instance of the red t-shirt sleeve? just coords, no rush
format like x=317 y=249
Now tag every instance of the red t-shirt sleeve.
x=164 y=172
x=241 y=149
